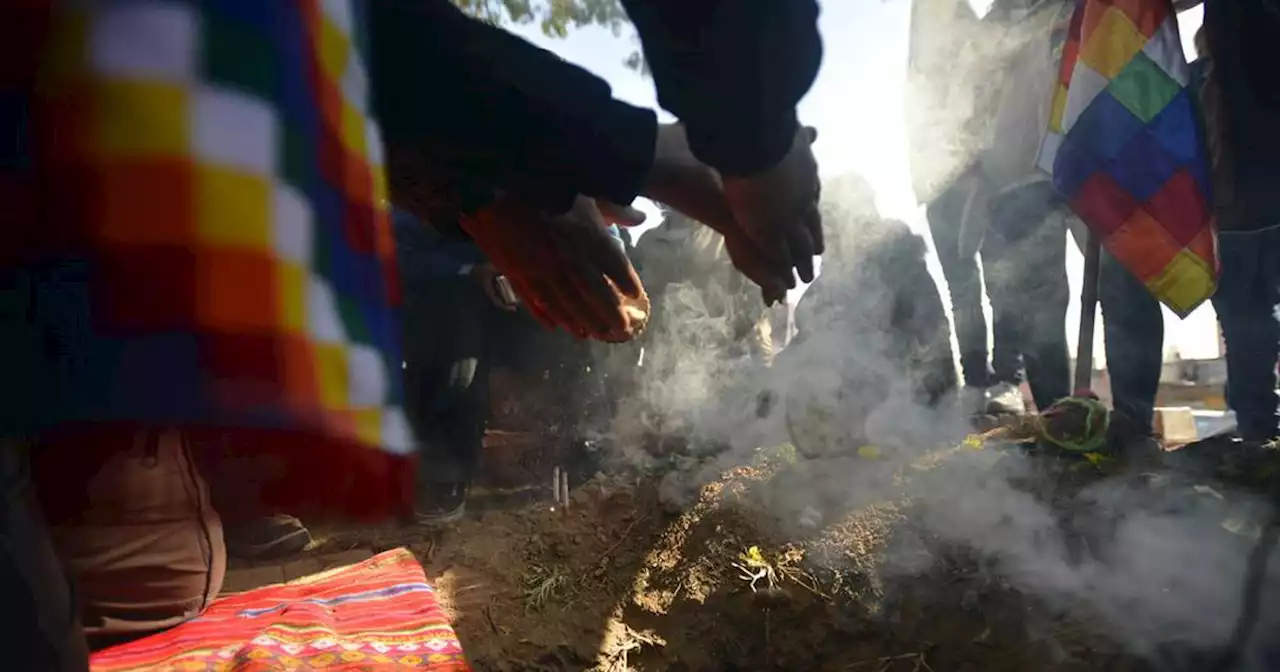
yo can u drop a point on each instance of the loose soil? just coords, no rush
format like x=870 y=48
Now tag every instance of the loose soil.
x=619 y=581
x=734 y=577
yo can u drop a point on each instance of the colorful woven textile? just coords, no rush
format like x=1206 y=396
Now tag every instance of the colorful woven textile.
x=1126 y=148
x=214 y=167
x=380 y=614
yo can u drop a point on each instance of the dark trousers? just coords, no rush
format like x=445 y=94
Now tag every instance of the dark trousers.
x=446 y=377
x=1133 y=329
x=964 y=283
x=1247 y=302
x=42 y=629
x=454 y=337
x=1027 y=284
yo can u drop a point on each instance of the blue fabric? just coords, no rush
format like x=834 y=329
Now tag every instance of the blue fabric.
x=1247 y=302
x=426 y=256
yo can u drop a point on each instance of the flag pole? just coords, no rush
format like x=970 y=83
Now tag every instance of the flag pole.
x=1088 y=309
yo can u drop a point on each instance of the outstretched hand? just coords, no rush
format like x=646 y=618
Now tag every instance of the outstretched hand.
x=567 y=269
x=778 y=208
x=748 y=211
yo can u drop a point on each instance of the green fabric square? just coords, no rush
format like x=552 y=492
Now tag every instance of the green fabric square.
x=353 y=320
x=1143 y=87
x=297 y=159
x=237 y=56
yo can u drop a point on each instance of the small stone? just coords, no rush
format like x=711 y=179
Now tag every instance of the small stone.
x=810 y=518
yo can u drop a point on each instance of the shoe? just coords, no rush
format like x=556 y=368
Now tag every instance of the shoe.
x=442 y=503
x=267 y=537
x=1005 y=399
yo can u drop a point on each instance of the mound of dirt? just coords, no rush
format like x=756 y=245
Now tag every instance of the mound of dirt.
x=615 y=581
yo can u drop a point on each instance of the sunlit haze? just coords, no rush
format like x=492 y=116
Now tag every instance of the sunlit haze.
x=856 y=104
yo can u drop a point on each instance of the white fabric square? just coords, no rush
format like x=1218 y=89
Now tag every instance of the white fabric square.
x=355 y=83
x=1048 y=151
x=339 y=12
x=145 y=40
x=293 y=222
x=1165 y=50
x=397 y=435
x=373 y=141
x=324 y=323
x=366 y=375
x=237 y=130
x=1085 y=85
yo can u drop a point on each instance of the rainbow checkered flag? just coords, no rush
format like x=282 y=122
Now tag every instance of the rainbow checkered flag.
x=1125 y=147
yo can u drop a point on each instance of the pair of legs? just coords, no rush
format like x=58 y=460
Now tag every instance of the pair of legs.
x=1247 y=303
x=446 y=379
x=1030 y=305
x=456 y=336
x=1133 y=326
x=1027 y=285
x=1026 y=281
x=1133 y=332
x=964 y=283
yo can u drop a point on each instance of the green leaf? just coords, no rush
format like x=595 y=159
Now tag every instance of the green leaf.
x=556 y=18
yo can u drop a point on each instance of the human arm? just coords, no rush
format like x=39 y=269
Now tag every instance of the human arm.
x=520 y=119
x=733 y=71
x=480 y=106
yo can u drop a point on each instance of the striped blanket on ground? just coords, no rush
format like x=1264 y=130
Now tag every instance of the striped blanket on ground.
x=380 y=614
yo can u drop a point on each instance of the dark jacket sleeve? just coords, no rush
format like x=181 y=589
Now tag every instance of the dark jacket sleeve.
x=490 y=109
x=733 y=71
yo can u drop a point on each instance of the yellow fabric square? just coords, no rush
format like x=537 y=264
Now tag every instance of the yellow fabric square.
x=1184 y=284
x=1112 y=44
x=1059 y=109
x=293 y=296
x=380 y=193
x=353 y=130
x=333 y=375
x=233 y=207
x=139 y=118
x=335 y=49
x=369 y=425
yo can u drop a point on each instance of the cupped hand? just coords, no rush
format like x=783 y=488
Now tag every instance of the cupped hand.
x=778 y=208
x=680 y=181
x=567 y=269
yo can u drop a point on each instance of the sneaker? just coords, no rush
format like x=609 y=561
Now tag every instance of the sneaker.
x=442 y=503
x=266 y=538
x=1005 y=399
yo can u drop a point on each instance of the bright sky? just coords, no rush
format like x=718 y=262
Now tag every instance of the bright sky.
x=856 y=105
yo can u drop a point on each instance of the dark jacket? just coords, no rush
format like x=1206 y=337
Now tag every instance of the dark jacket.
x=429 y=262
x=427 y=256
x=483 y=108
x=1242 y=44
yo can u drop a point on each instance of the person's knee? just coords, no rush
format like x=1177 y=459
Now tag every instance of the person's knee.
x=151 y=499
